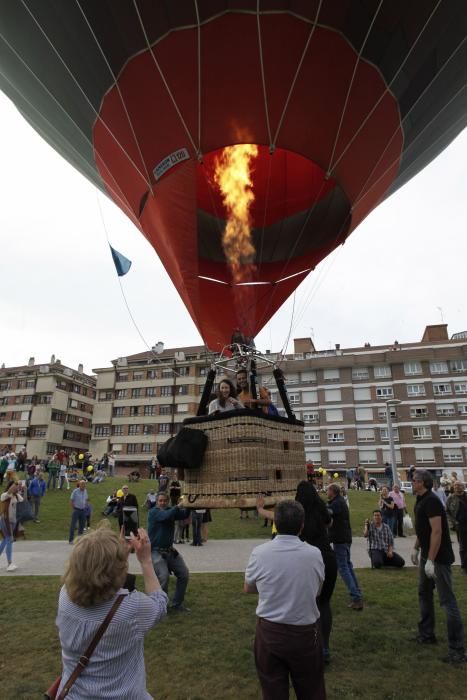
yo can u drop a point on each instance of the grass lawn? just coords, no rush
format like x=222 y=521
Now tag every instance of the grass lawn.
x=208 y=653
x=55 y=513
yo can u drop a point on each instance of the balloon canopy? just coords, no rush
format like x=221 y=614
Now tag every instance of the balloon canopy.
x=345 y=101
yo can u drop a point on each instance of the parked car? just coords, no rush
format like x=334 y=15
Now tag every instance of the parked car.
x=406 y=486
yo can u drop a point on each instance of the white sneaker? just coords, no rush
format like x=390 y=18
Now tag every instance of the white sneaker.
x=11 y=567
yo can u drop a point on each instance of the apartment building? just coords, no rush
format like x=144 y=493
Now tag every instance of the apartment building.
x=343 y=396
x=45 y=407
x=143 y=399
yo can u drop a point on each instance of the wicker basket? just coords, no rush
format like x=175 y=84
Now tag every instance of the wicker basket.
x=247 y=453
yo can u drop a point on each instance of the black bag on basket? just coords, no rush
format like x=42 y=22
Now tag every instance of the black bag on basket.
x=183 y=451
x=23 y=511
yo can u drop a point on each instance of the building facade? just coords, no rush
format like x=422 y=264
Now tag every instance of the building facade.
x=343 y=396
x=45 y=407
x=142 y=401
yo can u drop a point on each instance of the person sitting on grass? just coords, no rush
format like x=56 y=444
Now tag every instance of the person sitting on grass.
x=381 y=543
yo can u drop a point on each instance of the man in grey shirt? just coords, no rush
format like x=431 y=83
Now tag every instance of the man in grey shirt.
x=288 y=575
x=78 y=502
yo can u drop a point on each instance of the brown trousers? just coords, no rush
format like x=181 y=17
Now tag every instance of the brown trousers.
x=295 y=650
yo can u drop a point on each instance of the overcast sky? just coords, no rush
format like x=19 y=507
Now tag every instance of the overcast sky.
x=403 y=268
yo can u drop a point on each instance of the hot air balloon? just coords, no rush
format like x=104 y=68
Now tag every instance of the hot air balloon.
x=334 y=106
x=344 y=102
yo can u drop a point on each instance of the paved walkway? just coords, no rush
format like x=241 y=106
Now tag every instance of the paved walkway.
x=37 y=558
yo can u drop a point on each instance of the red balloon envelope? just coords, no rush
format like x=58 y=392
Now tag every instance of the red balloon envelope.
x=346 y=101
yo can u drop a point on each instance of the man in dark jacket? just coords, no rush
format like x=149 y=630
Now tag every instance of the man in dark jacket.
x=128 y=509
x=340 y=534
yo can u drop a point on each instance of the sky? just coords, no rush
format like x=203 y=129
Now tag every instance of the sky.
x=402 y=269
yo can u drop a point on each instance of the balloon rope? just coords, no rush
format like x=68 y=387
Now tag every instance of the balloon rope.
x=263 y=78
x=198 y=33
x=333 y=166
x=124 y=202
x=349 y=89
x=109 y=67
x=312 y=31
x=98 y=117
x=162 y=76
x=124 y=296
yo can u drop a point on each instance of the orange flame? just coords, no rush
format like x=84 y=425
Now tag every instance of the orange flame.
x=232 y=175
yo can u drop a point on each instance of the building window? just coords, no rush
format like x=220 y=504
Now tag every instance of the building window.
x=333 y=415
x=165 y=410
x=441 y=389
x=119 y=411
x=422 y=433
x=308 y=376
x=309 y=397
x=132 y=448
x=182 y=389
x=384 y=392
x=182 y=408
x=383 y=414
x=458 y=365
x=133 y=429
x=101 y=430
x=151 y=391
x=439 y=367
x=311 y=417
x=336 y=437
x=58 y=416
x=44 y=398
x=167 y=390
x=105 y=395
x=30 y=384
x=203 y=371
x=367 y=456
x=418 y=411
x=384 y=434
x=164 y=428
x=138 y=376
x=449 y=432
x=312 y=437
x=134 y=410
x=120 y=394
x=382 y=371
x=365 y=435
x=362 y=394
x=445 y=409
x=136 y=393
x=452 y=455
x=294 y=398
x=360 y=373
x=39 y=432
x=362 y=414
x=147 y=447
x=183 y=371
x=336 y=456
x=150 y=410
x=411 y=368
x=166 y=373
x=330 y=375
x=460 y=388
x=332 y=395
x=426 y=454
x=122 y=376
x=416 y=390
x=117 y=430
x=462 y=408
x=152 y=374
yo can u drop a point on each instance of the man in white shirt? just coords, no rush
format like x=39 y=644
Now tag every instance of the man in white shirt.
x=288 y=575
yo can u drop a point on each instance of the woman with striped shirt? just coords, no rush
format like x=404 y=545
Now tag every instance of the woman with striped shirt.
x=93 y=579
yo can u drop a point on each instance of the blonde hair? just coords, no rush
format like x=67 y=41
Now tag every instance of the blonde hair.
x=96 y=568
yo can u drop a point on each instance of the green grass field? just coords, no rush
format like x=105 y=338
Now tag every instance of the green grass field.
x=208 y=654
x=55 y=513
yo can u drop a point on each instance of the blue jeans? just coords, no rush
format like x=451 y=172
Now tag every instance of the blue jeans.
x=78 y=517
x=447 y=600
x=388 y=519
x=52 y=479
x=167 y=563
x=345 y=568
x=7 y=542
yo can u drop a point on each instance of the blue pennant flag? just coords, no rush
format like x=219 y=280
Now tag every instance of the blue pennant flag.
x=122 y=264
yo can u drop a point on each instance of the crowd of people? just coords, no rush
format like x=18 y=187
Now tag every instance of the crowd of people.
x=294 y=574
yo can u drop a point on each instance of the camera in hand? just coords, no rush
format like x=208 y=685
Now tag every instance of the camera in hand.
x=130 y=521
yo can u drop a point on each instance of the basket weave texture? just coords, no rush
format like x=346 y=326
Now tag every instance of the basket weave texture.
x=246 y=454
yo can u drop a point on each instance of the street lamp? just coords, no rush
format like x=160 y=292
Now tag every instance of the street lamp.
x=389 y=403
